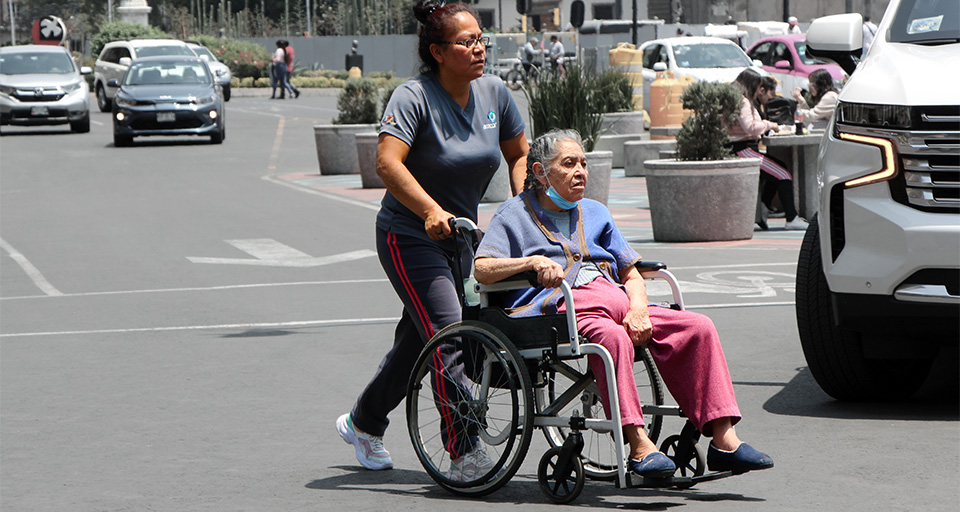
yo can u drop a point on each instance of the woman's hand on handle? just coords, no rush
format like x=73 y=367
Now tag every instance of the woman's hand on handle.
x=437 y=225
x=549 y=272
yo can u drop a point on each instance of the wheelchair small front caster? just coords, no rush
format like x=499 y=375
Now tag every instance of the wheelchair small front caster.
x=688 y=456
x=560 y=481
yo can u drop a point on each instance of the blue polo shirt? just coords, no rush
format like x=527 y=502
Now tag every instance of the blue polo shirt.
x=454 y=151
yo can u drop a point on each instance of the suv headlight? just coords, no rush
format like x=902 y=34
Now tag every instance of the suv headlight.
x=206 y=100
x=886 y=117
x=896 y=117
x=71 y=87
x=5 y=89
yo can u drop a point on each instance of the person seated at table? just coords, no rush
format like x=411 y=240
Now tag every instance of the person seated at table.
x=744 y=137
x=551 y=229
x=824 y=95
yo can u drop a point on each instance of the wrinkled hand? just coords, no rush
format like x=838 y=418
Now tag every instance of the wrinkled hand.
x=549 y=272
x=437 y=224
x=638 y=326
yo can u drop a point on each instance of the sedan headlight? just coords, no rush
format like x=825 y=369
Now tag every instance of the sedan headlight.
x=125 y=101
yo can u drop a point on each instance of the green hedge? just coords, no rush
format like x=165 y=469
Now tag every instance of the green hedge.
x=244 y=59
x=123 y=30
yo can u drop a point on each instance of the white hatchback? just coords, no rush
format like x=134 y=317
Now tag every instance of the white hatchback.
x=711 y=59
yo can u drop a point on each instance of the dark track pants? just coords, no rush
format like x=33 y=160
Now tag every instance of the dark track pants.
x=421 y=274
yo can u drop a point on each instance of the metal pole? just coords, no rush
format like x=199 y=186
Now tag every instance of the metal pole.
x=500 y=16
x=13 y=25
x=110 y=11
x=635 y=38
x=308 y=17
x=786 y=9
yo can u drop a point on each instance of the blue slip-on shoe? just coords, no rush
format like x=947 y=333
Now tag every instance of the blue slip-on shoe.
x=744 y=458
x=654 y=465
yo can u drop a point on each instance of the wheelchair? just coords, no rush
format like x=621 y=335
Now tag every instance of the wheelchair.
x=494 y=379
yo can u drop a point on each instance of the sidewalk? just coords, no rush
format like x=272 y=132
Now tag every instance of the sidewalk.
x=264 y=92
x=627 y=203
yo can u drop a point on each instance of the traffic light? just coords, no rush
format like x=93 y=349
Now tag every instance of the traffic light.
x=576 y=13
x=523 y=6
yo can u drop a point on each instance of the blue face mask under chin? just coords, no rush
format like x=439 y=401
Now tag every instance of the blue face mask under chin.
x=558 y=200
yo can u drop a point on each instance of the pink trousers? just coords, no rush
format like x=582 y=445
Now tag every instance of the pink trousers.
x=685 y=347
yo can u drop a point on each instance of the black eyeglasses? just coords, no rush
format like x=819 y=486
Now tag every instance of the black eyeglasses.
x=469 y=43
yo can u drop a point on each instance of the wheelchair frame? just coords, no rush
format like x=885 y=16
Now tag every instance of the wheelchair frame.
x=492 y=367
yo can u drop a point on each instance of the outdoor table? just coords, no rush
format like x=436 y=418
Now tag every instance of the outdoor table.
x=799 y=152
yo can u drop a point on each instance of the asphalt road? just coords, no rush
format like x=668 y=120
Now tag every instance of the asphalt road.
x=181 y=323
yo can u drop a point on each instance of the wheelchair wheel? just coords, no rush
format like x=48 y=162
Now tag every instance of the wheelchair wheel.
x=560 y=488
x=599 y=454
x=470 y=388
x=694 y=463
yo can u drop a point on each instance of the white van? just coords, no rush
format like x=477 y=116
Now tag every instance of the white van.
x=878 y=278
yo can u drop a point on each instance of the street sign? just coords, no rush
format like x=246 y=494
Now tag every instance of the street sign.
x=49 y=30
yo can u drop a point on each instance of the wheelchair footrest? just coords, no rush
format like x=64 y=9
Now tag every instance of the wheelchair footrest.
x=674 y=482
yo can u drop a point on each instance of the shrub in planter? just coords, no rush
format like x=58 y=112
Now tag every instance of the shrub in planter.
x=715 y=105
x=357 y=102
x=614 y=92
x=566 y=102
x=243 y=58
x=388 y=92
x=704 y=195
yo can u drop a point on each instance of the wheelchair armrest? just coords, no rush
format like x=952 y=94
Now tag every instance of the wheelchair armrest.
x=519 y=281
x=645 y=266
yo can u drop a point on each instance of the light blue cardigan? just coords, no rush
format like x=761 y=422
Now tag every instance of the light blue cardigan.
x=521 y=228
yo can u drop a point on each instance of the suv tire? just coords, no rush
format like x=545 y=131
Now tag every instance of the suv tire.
x=835 y=355
x=103 y=102
x=82 y=125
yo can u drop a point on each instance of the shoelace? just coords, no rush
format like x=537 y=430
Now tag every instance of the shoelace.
x=376 y=444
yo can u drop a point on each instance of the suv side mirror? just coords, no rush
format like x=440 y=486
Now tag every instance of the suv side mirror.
x=113 y=82
x=837 y=38
x=125 y=61
x=85 y=70
x=660 y=66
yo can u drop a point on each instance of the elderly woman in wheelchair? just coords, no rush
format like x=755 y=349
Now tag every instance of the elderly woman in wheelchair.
x=551 y=230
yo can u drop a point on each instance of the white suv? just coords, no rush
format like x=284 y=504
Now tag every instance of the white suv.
x=878 y=278
x=115 y=58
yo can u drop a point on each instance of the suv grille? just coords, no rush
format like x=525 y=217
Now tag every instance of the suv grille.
x=39 y=94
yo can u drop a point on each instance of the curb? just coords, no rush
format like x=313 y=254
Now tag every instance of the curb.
x=265 y=92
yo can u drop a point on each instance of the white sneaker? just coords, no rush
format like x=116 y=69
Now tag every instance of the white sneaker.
x=370 y=451
x=471 y=466
x=797 y=224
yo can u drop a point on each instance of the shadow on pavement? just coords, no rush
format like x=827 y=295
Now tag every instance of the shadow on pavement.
x=520 y=489
x=937 y=400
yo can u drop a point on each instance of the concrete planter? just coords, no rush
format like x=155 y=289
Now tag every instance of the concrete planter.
x=367 y=159
x=337 y=148
x=702 y=201
x=617 y=144
x=599 y=167
x=622 y=123
x=498 y=190
x=636 y=152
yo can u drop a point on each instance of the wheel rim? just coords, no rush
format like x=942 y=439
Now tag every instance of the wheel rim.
x=484 y=396
x=694 y=465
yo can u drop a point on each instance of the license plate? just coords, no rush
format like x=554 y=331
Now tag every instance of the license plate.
x=39 y=111
x=166 y=117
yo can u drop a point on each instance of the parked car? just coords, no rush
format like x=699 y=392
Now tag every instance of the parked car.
x=167 y=96
x=220 y=71
x=42 y=85
x=878 y=277
x=704 y=58
x=116 y=56
x=785 y=58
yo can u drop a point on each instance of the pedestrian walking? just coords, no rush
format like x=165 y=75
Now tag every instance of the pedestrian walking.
x=442 y=136
x=288 y=49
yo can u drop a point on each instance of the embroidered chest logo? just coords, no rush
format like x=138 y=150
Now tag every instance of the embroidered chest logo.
x=492 y=116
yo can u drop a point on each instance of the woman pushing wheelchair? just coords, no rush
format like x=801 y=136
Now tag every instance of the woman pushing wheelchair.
x=552 y=230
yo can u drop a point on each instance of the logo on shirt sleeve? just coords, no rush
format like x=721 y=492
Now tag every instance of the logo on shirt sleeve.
x=492 y=116
x=389 y=121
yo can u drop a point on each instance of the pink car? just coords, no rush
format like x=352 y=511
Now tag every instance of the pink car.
x=784 y=57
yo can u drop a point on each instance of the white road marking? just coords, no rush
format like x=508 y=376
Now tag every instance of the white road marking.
x=32 y=272
x=302 y=323
x=270 y=253
x=205 y=288
x=354 y=202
